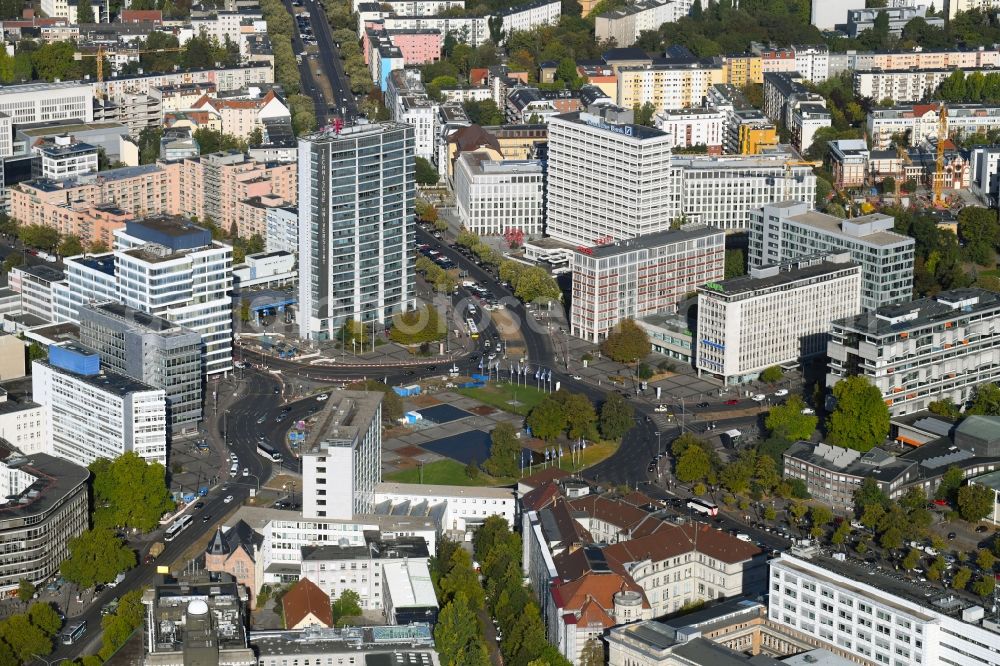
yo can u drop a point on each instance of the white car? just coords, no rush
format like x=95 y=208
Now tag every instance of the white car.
x=229 y=498
x=246 y=471
x=576 y=377
x=760 y=397
x=781 y=393
x=661 y=408
x=322 y=396
x=808 y=410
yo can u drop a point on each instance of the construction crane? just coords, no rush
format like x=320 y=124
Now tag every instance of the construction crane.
x=942 y=136
x=100 y=56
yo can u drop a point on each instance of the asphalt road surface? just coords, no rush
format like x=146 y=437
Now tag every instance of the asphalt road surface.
x=329 y=56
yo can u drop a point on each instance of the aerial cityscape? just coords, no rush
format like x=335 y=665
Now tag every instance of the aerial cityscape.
x=499 y=333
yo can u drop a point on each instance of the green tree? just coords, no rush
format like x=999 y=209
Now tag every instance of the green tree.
x=798 y=511
x=627 y=343
x=736 y=263
x=888 y=185
x=644 y=114
x=694 y=464
x=975 y=502
x=985 y=400
x=820 y=514
x=788 y=422
x=985 y=586
x=951 y=480
x=426 y=174
x=45 y=617
x=416 y=326
x=840 y=534
x=547 y=420
x=985 y=559
x=96 y=556
x=129 y=492
x=581 y=419
x=891 y=539
x=472 y=469
x=534 y=283
x=861 y=418
x=85 y=12
x=70 y=246
x=593 y=652
x=24 y=639
x=347 y=605
x=505 y=451
x=25 y=590
x=772 y=374
x=616 y=417
x=39 y=236
x=911 y=560
x=961 y=579
x=944 y=407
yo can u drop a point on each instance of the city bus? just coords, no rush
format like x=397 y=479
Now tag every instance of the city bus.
x=73 y=633
x=707 y=507
x=177 y=527
x=268 y=452
x=473 y=331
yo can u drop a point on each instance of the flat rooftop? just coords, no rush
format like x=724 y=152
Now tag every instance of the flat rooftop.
x=55 y=478
x=835 y=226
x=787 y=274
x=136 y=318
x=344 y=419
x=650 y=241
x=923 y=312
x=626 y=130
x=396 y=645
x=106 y=381
x=259 y=517
x=43 y=272
x=431 y=490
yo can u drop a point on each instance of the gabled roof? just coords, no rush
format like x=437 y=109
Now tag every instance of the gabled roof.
x=303 y=599
x=238 y=537
x=622 y=515
x=672 y=540
x=541 y=476
x=558 y=523
x=540 y=497
x=473 y=137
x=598 y=588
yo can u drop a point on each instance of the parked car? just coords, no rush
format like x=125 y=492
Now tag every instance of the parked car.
x=759 y=397
x=781 y=393
x=229 y=498
x=732 y=401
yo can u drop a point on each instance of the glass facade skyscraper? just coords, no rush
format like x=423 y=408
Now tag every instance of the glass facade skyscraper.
x=356 y=190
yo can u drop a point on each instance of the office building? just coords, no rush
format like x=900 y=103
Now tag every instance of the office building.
x=150 y=349
x=38 y=102
x=196 y=619
x=462 y=509
x=832 y=474
x=848 y=160
x=22 y=421
x=746 y=131
x=409 y=592
x=336 y=568
x=866 y=614
x=89 y=278
x=920 y=351
x=43 y=505
x=355 y=227
x=342 y=456
x=783 y=231
x=984 y=163
x=642 y=276
x=169 y=267
x=493 y=196
x=608 y=181
x=795 y=302
x=12 y=348
x=898 y=15
x=36 y=284
x=389 y=645
x=827 y=14
x=63 y=157
x=92 y=413
x=722 y=190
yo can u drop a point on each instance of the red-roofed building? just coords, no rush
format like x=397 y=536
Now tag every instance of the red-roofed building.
x=305 y=605
x=532 y=481
x=141 y=16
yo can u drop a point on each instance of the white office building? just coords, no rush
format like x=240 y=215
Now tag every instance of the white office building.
x=693 y=127
x=465 y=508
x=37 y=285
x=282 y=229
x=22 y=424
x=984 y=179
x=93 y=413
x=356 y=191
x=420 y=112
x=608 y=181
x=170 y=267
x=787 y=230
x=859 y=610
x=89 y=279
x=493 y=196
x=921 y=351
x=42 y=102
x=795 y=302
x=641 y=276
x=342 y=456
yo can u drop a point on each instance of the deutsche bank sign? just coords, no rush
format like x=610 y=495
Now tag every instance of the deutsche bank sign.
x=617 y=129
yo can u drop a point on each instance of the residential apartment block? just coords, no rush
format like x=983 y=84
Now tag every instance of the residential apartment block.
x=694 y=127
x=118 y=89
x=355 y=226
x=150 y=349
x=919 y=351
x=904 y=85
x=920 y=122
x=866 y=614
x=342 y=457
x=916 y=59
x=673 y=85
x=493 y=196
x=22 y=422
x=641 y=276
x=44 y=505
x=784 y=231
x=795 y=302
x=93 y=413
x=626 y=24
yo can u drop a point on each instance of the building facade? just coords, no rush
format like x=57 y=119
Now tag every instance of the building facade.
x=342 y=457
x=493 y=196
x=35 y=532
x=920 y=351
x=795 y=302
x=150 y=349
x=784 y=231
x=355 y=227
x=641 y=276
x=93 y=413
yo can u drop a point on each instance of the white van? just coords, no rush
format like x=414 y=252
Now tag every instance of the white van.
x=234 y=470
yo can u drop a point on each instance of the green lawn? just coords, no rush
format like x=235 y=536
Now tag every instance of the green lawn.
x=502 y=395
x=441 y=472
